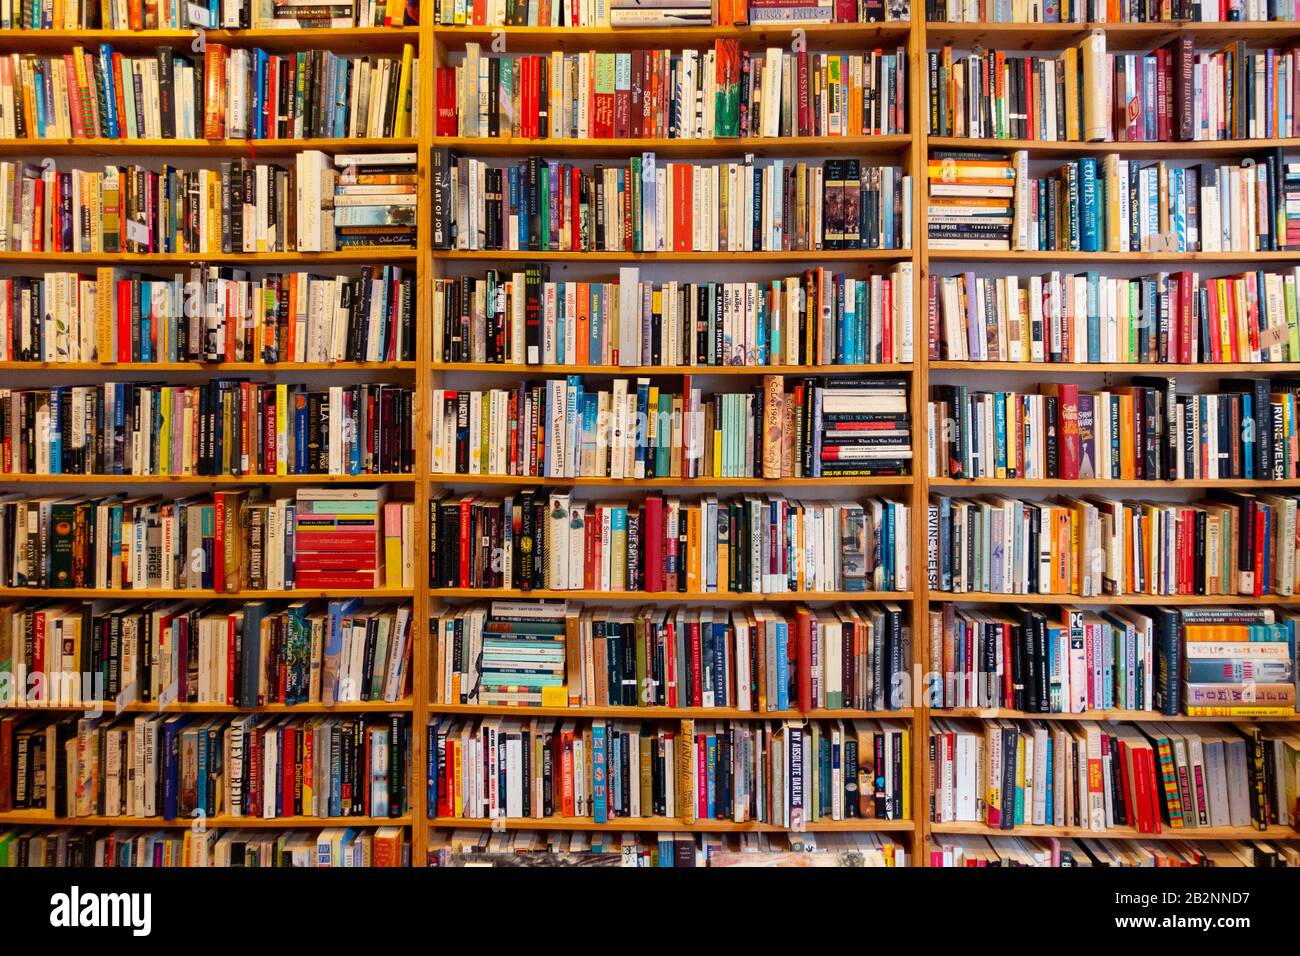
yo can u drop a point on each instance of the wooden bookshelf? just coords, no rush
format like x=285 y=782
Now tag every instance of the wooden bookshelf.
x=751 y=371
x=1121 y=833
x=222 y=821
x=178 y=707
x=215 y=368
x=435 y=45
x=681 y=148
x=1154 y=716
x=670 y=597
x=196 y=147
x=216 y=480
x=670 y=824
x=343 y=40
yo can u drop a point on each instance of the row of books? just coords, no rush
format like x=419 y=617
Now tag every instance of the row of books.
x=1164 y=317
x=1150 y=777
x=228 y=541
x=819 y=317
x=559 y=429
x=1171 y=94
x=651 y=206
x=181 y=766
x=243 y=206
x=210 y=314
x=1205 y=662
x=1107 y=204
x=785 y=773
x=210 y=15
x=1145 y=431
x=676 y=13
x=985 y=94
x=308 y=94
x=81 y=847
x=950 y=851
x=752 y=659
x=240 y=93
x=1108 y=11
x=1227 y=545
x=468 y=846
x=553 y=540
x=219 y=427
x=79 y=654
x=661 y=94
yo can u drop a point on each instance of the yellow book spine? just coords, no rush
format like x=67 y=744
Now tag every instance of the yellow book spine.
x=402 y=126
x=281 y=428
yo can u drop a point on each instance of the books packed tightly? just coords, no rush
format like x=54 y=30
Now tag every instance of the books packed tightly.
x=225 y=541
x=753 y=659
x=781 y=428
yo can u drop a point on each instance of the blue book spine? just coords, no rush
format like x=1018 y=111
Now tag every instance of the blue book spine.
x=201 y=785
x=299 y=433
x=1000 y=430
x=171 y=753
x=782 y=666
x=1050 y=761
x=110 y=91
x=1093 y=286
x=56 y=430
x=146 y=322
x=1248 y=441
x=887 y=546
x=521 y=237
x=1090 y=233
x=641 y=432
x=599 y=773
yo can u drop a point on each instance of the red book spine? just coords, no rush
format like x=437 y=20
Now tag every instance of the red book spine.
x=803 y=635
x=805 y=97
x=1067 y=429
x=218 y=542
x=310 y=540
x=448 y=120
x=654 y=543
x=1008 y=685
x=701 y=777
x=464 y=544
x=336 y=561
x=336 y=579
x=288 y=760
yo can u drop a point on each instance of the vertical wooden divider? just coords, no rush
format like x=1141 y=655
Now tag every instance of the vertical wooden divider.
x=430 y=60
x=918 y=124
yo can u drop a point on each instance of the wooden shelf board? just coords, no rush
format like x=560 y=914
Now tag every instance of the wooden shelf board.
x=10 y=479
x=223 y=821
x=201 y=595
x=362 y=255
x=1120 y=368
x=198 y=147
x=1120 y=37
x=1089 y=485
x=976 y=255
x=337 y=39
x=210 y=367
x=818 y=255
x=673 y=597
x=755 y=483
x=680 y=148
x=985 y=597
x=994 y=713
x=669 y=713
x=1120 y=833
x=1195 y=148
x=819 y=36
x=893 y=368
x=670 y=823
x=142 y=707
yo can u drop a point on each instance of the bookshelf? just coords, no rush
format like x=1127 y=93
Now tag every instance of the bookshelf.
x=435 y=46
